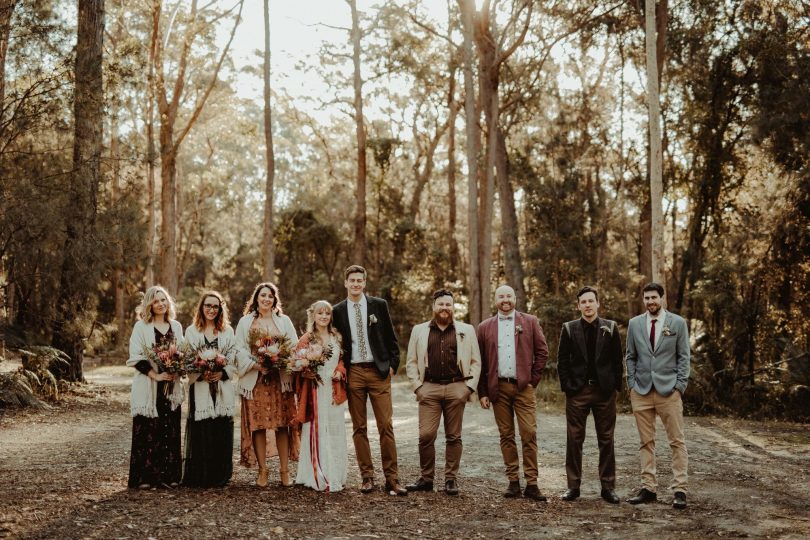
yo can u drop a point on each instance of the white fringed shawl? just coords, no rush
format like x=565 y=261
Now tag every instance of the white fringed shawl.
x=204 y=406
x=143 y=397
x=245 y=360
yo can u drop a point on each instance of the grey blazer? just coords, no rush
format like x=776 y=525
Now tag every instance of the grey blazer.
x=667 y=367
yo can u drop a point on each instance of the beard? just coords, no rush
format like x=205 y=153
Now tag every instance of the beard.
x=443 y=317
x=654 y=310
x=506 y=307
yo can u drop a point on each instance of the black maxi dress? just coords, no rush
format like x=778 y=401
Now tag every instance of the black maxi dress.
x=155 y=458
x=209 y=443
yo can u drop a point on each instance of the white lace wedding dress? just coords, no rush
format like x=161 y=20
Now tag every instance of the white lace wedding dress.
x=327 y=472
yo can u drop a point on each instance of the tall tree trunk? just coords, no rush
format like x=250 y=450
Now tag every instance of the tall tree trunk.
x=167 y=251
x=77 y=278
x=6 y=12
x=268 y=253
x=359 y=251
x=491 y=57
x=151 y=157
x=510 y=229
x=118 y=278
x=451 y=176
x=471 y=115
x=656 y=182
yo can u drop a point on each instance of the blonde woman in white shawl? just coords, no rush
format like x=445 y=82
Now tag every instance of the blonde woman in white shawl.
x=208 y=458
x=268 y=402
x=155 y=458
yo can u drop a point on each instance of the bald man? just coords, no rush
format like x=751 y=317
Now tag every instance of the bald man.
x=513 y=355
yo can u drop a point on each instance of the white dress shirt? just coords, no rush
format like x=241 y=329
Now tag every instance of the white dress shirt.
x=507 y=365
x=353 y=325
x=659 y=325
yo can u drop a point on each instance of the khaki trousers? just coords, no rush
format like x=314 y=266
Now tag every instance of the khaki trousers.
x=367 y=384
x=577 y=409
x=435 y=401
x=523 y=405
x=670 y=410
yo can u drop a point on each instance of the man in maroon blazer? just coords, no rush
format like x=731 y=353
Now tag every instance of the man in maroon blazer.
x=513 y=355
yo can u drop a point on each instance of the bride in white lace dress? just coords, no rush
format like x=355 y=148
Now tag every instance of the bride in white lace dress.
x=323 y=461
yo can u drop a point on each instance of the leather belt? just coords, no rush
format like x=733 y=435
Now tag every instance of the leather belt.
x=448 y=381
x=365 y=365
x=509 y=380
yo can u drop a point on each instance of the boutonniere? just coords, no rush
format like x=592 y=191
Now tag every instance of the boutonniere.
x=461 y=336
x=518 y=328
x=667 y=332
x=605 y=330
x=372 y=319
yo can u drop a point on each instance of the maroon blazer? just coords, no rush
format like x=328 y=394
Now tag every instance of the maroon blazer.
x=531 y=353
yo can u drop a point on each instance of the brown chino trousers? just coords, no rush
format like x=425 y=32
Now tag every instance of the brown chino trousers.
x=365 y=383
x=435 y=401
x=523 y=405
x=577 y=409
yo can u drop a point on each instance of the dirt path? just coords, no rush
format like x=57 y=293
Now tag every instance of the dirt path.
x=63 y=475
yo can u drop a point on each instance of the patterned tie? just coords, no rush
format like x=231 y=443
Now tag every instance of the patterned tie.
x=361 y=333
x=652 y=334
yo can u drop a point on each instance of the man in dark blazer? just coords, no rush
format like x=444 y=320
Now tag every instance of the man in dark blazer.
x=589 y=363
x=513 y=355
x=371 y=357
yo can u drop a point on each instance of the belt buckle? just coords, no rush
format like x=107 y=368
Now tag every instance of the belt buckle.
x=592 y=382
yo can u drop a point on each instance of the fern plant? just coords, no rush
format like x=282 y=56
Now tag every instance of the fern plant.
x=37 y=363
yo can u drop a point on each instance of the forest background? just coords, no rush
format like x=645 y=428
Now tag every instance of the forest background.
x=458 y=143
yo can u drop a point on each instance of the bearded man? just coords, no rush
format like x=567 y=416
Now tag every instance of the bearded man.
x=443 y=366
x=513 y=355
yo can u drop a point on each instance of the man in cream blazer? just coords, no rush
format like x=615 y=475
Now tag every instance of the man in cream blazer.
x=443 y=366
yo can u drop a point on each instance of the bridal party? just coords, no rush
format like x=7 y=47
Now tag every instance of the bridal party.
x=292 y=391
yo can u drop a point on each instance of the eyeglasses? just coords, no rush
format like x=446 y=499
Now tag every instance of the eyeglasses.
x=214 y=307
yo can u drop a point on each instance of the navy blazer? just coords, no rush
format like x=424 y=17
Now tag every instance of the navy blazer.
x=381 y=335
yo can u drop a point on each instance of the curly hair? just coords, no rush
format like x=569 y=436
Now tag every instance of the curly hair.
x=252 y=305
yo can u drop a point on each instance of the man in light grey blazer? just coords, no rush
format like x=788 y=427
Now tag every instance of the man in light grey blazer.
x=657 y=374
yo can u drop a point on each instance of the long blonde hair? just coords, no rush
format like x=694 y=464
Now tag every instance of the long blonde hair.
x=312 y=311
x=144 y=311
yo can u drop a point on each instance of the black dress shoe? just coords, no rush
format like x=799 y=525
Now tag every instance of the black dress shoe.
x=513 y=490
x=644 y=495
x=420 y=485
x=367 y=486
x=394 y=488
x=533 y=492
x=679 y=501
x=571 y=495
x=451 y=487
x=610 y=496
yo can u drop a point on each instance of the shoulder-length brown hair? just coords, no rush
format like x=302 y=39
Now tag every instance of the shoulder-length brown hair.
x=252 y=305
x=144 y=311
x=220 y=321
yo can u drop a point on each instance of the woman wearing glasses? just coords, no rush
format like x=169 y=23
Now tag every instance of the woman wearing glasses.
x=209 y=427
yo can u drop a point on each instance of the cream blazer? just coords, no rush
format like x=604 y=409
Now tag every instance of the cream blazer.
x=468 y=354
x=245 y=360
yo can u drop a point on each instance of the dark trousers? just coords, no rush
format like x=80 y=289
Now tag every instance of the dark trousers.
x=577 y=408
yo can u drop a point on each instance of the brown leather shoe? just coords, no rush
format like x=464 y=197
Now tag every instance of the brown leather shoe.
x=513 y=490
x=420 y=485
x=533 y=492
x=394 y=488
x=368 y=485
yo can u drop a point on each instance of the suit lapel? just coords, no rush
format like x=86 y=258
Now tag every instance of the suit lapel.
x=518 y=323
x=578 y=335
